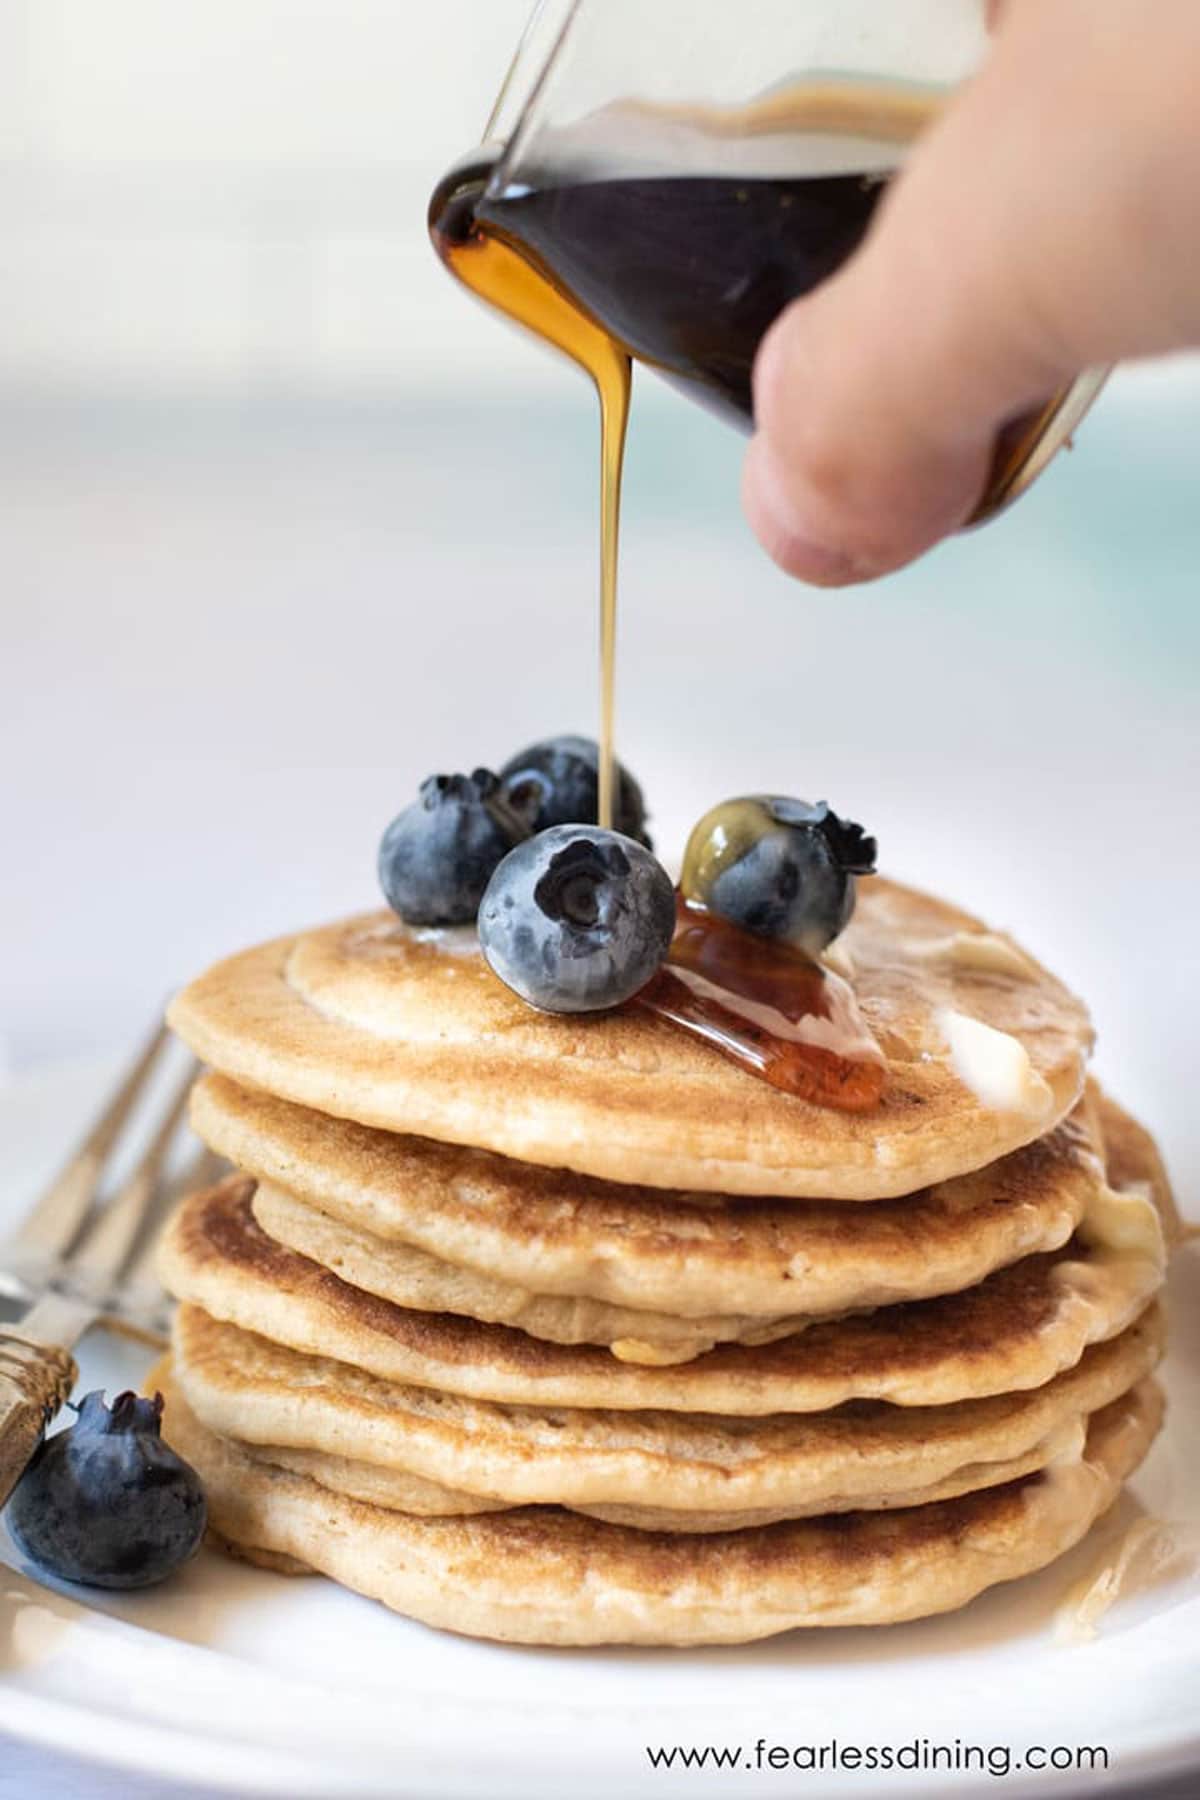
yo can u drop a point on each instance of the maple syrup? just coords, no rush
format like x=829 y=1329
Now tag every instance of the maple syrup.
x=688 y=272
x=507 y=276
x=768 y=1008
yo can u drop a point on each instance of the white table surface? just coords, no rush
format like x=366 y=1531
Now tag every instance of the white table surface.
x=233 y=640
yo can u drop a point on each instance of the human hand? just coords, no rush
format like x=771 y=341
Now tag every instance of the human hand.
x=1050 y=220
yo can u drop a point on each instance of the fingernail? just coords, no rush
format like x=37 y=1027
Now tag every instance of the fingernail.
x=820 y=565
x=775 y=520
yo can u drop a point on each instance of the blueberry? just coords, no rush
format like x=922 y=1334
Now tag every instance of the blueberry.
x=558 y=778
x=780 y=868
x=107 y=1502
x=577 y=918
x=437 y=857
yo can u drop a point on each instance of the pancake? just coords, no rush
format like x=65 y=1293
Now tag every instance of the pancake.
x=548 y=1576
x=390 y=1488
x=719 y=1263
x=1016 y=1330
x=410 y=1032
x=413 y=1278
x=393 y=1489
x=244 y=1387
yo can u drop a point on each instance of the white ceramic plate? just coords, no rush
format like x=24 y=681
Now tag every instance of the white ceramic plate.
x=230 y=1676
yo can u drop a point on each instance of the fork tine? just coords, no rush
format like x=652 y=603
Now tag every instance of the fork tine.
x=51 y=1226
x=203 y=1170
x=139 y=1281
x=98 y=1262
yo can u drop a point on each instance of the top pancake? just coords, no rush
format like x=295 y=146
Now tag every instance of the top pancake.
x=369 y=1021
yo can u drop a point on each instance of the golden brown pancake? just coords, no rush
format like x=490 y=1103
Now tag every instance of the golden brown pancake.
x=244 y=1387
x=392 y=1489
x=548 y=1576
x=709 y=1266
x=413 y=1278
x=370 y=1021
x=1015 y=1330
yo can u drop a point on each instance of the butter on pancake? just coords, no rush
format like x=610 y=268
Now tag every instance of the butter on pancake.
x=993 y=1064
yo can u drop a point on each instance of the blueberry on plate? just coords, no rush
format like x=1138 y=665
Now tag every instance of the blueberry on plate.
x=577 y=918
x=437 y=856
x=107 y=1502
x=778 y=867
x=558 y=781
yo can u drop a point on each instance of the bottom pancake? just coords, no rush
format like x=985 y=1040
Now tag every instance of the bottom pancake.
x=546 y=1576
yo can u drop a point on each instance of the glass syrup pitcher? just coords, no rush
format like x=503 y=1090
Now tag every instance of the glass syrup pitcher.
x=660 y=178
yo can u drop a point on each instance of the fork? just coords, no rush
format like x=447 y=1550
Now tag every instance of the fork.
x=77 y=1261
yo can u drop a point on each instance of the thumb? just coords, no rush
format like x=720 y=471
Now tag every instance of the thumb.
x=1000 y=263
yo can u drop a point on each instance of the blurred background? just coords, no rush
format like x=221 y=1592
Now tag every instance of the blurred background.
x=286 y=523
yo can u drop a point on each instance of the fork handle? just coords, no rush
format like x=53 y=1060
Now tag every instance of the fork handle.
x=35 y=1379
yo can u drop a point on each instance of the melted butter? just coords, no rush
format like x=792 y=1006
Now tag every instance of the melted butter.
x=1105 y=1294
x=984 y=951
x=391 y=937
x=1127 y=1260
x=657 y=1356
x=1126 y=1222
x=1143 y=1553
x=993 y=1064
x=451 y=940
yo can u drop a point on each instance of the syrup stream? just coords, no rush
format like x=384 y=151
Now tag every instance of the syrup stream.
x=510 y=279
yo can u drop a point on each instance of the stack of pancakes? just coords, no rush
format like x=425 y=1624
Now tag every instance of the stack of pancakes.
x=567 y=1330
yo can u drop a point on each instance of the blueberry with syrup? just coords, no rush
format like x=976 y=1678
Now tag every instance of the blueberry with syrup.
x=778 y=867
